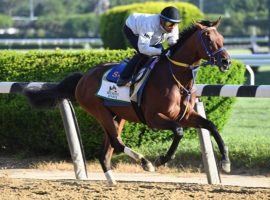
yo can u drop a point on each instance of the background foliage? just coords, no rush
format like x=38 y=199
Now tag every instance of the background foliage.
x=41 y=131
x=239 y=16
x=113 y=20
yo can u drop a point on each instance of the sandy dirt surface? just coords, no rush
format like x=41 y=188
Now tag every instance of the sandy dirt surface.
x=19 y=180
x=23 y=189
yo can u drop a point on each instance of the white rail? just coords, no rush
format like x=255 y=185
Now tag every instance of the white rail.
x=253 y=60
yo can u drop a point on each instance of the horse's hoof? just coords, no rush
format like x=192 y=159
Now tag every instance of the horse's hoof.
x=112 y=183
x=225 y=166
x=110 y=178
x=148 y=167
x=159 y=161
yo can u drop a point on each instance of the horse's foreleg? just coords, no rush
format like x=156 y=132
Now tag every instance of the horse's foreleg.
x=178 y=134
x=197 y=121
x=146 y=164
x=161 y=121
x=225 y=161
x=120 y=147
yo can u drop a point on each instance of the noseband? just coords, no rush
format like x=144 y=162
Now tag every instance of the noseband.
x=212 y=55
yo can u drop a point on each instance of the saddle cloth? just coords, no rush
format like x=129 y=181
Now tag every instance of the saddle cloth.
x=110 y=91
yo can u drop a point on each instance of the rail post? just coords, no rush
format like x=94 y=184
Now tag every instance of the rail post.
x=251 y=73
x=209 y=161
x=74 y=140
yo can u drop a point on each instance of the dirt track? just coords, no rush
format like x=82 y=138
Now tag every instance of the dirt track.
x=17 y=181
x=69 y=189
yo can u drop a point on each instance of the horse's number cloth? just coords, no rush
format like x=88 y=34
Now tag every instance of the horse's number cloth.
x=110 y=90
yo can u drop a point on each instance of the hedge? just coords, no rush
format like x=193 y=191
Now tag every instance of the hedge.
x=113 y=20
x=23 y=128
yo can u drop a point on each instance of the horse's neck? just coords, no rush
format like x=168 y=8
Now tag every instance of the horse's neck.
x=187 y=53
x=168 y=76
x=183 y=76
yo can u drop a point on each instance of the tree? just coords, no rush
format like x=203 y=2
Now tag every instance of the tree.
x=10 y=7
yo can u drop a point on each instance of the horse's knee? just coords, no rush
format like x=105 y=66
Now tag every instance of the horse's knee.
x=179 y=132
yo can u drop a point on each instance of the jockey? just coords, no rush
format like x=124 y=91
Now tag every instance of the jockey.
x=146 y=33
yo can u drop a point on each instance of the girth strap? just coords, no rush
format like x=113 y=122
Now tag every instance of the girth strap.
x=138 y=111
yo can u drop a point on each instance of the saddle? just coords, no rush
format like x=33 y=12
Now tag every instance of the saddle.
x=133 y=92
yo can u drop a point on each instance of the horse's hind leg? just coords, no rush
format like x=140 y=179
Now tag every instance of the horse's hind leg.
x=107 y=149
x=197 y=121
x=105 y=159
x=113 y=128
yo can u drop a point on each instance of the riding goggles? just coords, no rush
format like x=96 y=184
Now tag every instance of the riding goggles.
x=170 y=24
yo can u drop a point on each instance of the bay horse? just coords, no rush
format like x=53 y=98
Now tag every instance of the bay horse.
x=171 y=82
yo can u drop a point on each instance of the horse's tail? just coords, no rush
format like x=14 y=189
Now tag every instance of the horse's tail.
x=49 y=96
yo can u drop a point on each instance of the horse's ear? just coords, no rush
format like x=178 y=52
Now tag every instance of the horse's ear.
x=216 y=23
x=199 y=26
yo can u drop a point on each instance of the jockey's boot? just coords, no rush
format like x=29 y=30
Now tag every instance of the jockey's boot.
x=128 y=71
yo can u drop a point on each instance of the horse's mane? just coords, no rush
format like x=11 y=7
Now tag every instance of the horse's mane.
x=187 y=32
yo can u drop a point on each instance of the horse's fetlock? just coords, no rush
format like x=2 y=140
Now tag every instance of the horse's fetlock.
x=147 y=165
x=144 y=161
x=226 y=154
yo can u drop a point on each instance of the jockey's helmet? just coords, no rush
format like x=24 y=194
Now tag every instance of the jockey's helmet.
x=170 y=14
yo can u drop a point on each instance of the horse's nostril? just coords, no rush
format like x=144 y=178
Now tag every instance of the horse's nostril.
x=226 y=61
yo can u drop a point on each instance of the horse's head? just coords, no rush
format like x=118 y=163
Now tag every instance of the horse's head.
x=212 y=45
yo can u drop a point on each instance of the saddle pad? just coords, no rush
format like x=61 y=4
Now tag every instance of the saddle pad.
x=114 y=74
x=110 y=91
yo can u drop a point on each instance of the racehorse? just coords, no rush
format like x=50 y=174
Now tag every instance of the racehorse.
x=171 y=82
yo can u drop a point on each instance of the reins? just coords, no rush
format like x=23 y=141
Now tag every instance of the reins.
x=179 y=64
x=186 y=90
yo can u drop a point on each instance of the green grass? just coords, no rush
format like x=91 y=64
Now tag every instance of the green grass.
x=248 y=133
x=262 y=76
x=250 y=117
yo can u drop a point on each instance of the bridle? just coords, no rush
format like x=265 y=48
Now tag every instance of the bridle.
x=212 y=61
x=213 y=56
